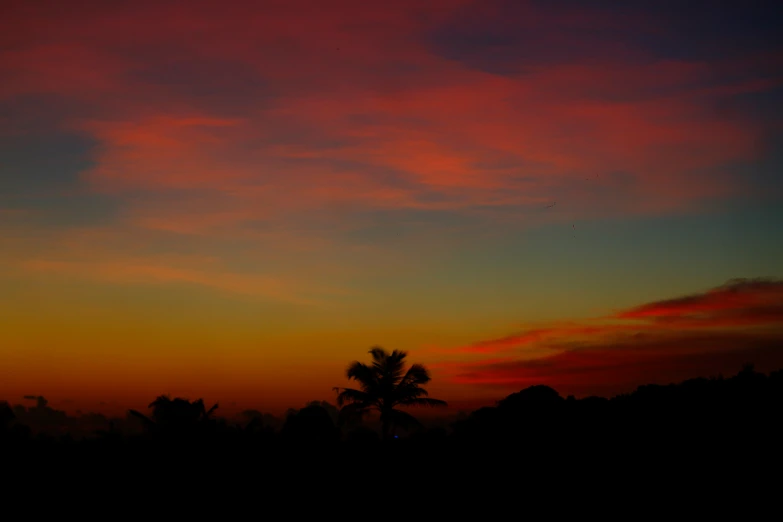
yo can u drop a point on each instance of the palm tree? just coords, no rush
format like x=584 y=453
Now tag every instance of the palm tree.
x=383 y=386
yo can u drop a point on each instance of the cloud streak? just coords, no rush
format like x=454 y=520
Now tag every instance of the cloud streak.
x=153 y=272
x=709 y=332
x=739 y=302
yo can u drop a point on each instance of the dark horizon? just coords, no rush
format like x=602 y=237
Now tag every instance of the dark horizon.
x=44 y=420
x=658 y=443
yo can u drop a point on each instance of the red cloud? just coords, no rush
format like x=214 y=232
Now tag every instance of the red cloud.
x=743 y=300
x=661 y=341
x=349 y=105
x=608 y=369
x=538 y=336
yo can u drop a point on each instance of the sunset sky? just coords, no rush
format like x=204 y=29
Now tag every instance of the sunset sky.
x=234 y=200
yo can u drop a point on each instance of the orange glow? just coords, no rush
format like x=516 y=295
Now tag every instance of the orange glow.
x=234 y=200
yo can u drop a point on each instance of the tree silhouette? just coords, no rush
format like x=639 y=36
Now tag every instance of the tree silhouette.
x=177 y=415
x=384 y=385
x=6 y=415
x=312 y=424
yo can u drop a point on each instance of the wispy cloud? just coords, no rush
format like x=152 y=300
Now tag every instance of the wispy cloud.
x=738 y=302
x=709 y=332
x=260 y=117
x=152 y=272
x=618 y=365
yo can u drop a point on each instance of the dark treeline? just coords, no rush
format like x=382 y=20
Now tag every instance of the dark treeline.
x=699 y=424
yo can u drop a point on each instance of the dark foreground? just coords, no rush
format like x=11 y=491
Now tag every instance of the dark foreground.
x=718 y=440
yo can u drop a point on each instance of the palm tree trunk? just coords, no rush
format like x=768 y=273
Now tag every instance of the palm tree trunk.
x=385 y=426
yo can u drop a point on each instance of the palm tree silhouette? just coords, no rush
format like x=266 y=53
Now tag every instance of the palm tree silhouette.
x=384 y=385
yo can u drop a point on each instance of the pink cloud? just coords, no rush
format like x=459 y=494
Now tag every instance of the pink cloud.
x=354 y=109
x=611 y=368
x=744 y=301
x=713 y=331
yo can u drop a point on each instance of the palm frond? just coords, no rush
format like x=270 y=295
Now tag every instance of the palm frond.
x=416 y=374
x=159 y=401
x=146 y=420
x=409 y=392
x=399 y=354
x=379 y=355
x=211 y=410
x=352 y=412
x=395 y=364
x=388 y=367
x=349 y=395
x=366 y=376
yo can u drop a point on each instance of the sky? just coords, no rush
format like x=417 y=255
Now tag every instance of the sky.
x=234 y=200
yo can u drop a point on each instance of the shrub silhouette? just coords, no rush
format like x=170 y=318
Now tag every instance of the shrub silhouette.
x=312 y=424
x=177 y=417
x=6 y=416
